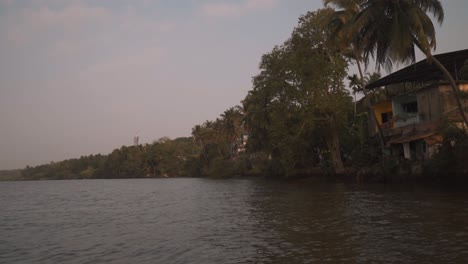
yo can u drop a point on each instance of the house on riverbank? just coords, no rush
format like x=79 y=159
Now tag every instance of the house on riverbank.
x=418 y=101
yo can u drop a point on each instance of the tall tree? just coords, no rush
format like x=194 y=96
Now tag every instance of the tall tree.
x=232 y=129
x=340 y=23
x=328 y=98
x=298 y=102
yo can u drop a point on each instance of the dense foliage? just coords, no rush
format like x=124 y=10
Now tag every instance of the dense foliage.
x=7 y=175
x=163 y=158
x=449 y=163
x=298 y=108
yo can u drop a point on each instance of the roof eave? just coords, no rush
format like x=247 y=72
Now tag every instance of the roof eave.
x=423 y=71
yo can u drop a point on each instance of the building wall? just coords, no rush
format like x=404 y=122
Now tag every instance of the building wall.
x=381 y=108
x=403 y=118
x=433 y=102
x=447 y=98
x=448 y=102
x=429 y=108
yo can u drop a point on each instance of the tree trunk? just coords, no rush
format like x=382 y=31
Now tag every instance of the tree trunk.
x=372 y=112
x=333 y=142
x=355 y=104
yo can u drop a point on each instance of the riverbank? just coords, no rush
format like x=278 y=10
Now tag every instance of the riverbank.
x=415 y=173
x=10 y=175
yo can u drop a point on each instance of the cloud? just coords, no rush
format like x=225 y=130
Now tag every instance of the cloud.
x=225 y=9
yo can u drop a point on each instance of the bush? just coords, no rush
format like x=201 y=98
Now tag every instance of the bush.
x=450 y=161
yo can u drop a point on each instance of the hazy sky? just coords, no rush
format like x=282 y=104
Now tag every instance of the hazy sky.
x=80 y=77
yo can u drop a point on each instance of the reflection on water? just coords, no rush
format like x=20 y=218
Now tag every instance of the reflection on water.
x=229 y=221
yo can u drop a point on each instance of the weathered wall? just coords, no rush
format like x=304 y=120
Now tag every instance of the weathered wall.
x=381 y=108
x=429 y=108
x=401 y=117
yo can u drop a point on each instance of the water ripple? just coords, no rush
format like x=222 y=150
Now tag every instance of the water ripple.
x=229 y=221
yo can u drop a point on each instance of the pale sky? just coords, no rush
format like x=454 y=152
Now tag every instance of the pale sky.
x=81 y=77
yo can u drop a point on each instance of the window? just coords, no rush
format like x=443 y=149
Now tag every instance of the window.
x=411 y=107
x=386 y=117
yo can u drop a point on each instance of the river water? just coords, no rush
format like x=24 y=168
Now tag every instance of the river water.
x=230 y=221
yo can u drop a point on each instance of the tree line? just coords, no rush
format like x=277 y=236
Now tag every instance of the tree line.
x=162 y=158
x=298 y=117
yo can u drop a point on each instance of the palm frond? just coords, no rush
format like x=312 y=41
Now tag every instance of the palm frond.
x=389 y=30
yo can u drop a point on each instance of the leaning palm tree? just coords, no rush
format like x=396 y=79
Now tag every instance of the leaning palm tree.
x=389 y=31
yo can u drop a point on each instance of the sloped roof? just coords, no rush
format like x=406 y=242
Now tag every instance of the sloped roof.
x=423 y=71
x=409 y=138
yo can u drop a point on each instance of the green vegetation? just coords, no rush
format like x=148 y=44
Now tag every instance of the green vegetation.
x=298 y=109
x=163 y=158
x=298 y=118
x=8 y=175
x=450 y=162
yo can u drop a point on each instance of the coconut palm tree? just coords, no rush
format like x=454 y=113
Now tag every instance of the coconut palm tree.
x=389 y=31
x=342 y=36
x=232 y=126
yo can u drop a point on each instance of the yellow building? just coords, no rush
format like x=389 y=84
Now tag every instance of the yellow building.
x=384 y=114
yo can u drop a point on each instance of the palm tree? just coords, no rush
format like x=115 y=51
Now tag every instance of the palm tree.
x=232 y=126
x=197 y=132
x=340 y=23
x=389 y=31
x=342 y=35
x=355 y=85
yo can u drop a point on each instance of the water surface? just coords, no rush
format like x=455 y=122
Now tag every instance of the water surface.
x=229 y=221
